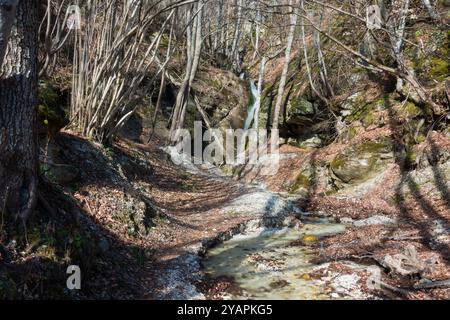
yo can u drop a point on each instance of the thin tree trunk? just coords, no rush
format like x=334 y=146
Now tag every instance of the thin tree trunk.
x=7 y=15
x=18 y=100
x=258 y=29
x=287 y=60
x=305 y=52
x=194 y=46
x=433 y=14
x=163 y=80
x=237 y=35
x=321 y=60
x=260 y=86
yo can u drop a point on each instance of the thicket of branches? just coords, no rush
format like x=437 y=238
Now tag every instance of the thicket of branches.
x=125 y=46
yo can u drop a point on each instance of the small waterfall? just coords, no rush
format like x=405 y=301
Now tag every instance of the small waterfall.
x=253 y=106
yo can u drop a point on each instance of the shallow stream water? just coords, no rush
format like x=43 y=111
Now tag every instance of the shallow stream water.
x=272 y=264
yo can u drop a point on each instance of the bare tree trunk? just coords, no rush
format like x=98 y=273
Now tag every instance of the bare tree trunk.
x=305 y=52
x=398 y=31
x=237 y=35
x=260 y=86
x=7 y=13
x=433 y=14
x=287 y=60
x=194 y=46
x=321 y=60
x=219 y=36
x=258 y=29
x=163 y=80
x=18 y=100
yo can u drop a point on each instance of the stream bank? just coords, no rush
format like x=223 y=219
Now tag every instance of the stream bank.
x=277 y=236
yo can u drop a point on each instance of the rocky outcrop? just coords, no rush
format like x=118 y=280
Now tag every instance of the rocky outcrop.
x=360 y=162
x=223 y=96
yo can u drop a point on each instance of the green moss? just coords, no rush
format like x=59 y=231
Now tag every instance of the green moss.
x=439 y=69
x=409 y=111
x=369 y=119
x=302 y=181
x=357 y=163
x=352 y=132
x=301 y=106
x=215 y=83
x=373 y=147
x=338 y=162
x=378 y=104
x=411 y=158
x=434 y=66
x=227 y=170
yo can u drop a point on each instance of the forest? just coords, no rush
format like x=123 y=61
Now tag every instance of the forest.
x=224 y=149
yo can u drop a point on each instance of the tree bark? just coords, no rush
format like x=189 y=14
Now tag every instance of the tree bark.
x=193 y=50
x=7 y=14
x=433 y=14
x=287 y=60
x=260 y=86
x=18 y=100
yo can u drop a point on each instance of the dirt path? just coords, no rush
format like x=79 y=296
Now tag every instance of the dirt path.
x=195 y=211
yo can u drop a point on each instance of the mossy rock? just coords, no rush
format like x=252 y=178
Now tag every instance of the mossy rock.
x=302 y=182
x=352 y=104
x=62 y=174
x=300 y=106
x=412 y=110
x=433 y=65
x=352 y=132
x=309 y=175
x=359 y=163
x=440 y=69
x=228 y=170
x=223 y=96
x=311 y=143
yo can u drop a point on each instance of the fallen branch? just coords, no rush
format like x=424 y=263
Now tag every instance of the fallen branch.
x=432 y=284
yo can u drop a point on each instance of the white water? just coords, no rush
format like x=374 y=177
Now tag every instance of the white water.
x=252 y=108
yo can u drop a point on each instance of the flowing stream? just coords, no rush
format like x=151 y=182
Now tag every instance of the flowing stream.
x=273 y=264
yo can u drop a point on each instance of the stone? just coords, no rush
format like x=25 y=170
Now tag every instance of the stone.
x=61 y=173
x=360 y=162
x=351 y=103
x=313 y=142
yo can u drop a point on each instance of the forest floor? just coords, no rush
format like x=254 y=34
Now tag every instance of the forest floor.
x=136 y=224
x=153 y=217
x=400 y=222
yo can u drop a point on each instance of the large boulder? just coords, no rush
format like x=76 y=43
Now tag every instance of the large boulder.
x=62 y=174
x=298 y=110
x=361 y=162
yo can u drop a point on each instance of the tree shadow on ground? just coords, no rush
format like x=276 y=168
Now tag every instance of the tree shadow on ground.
x=407 y=181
